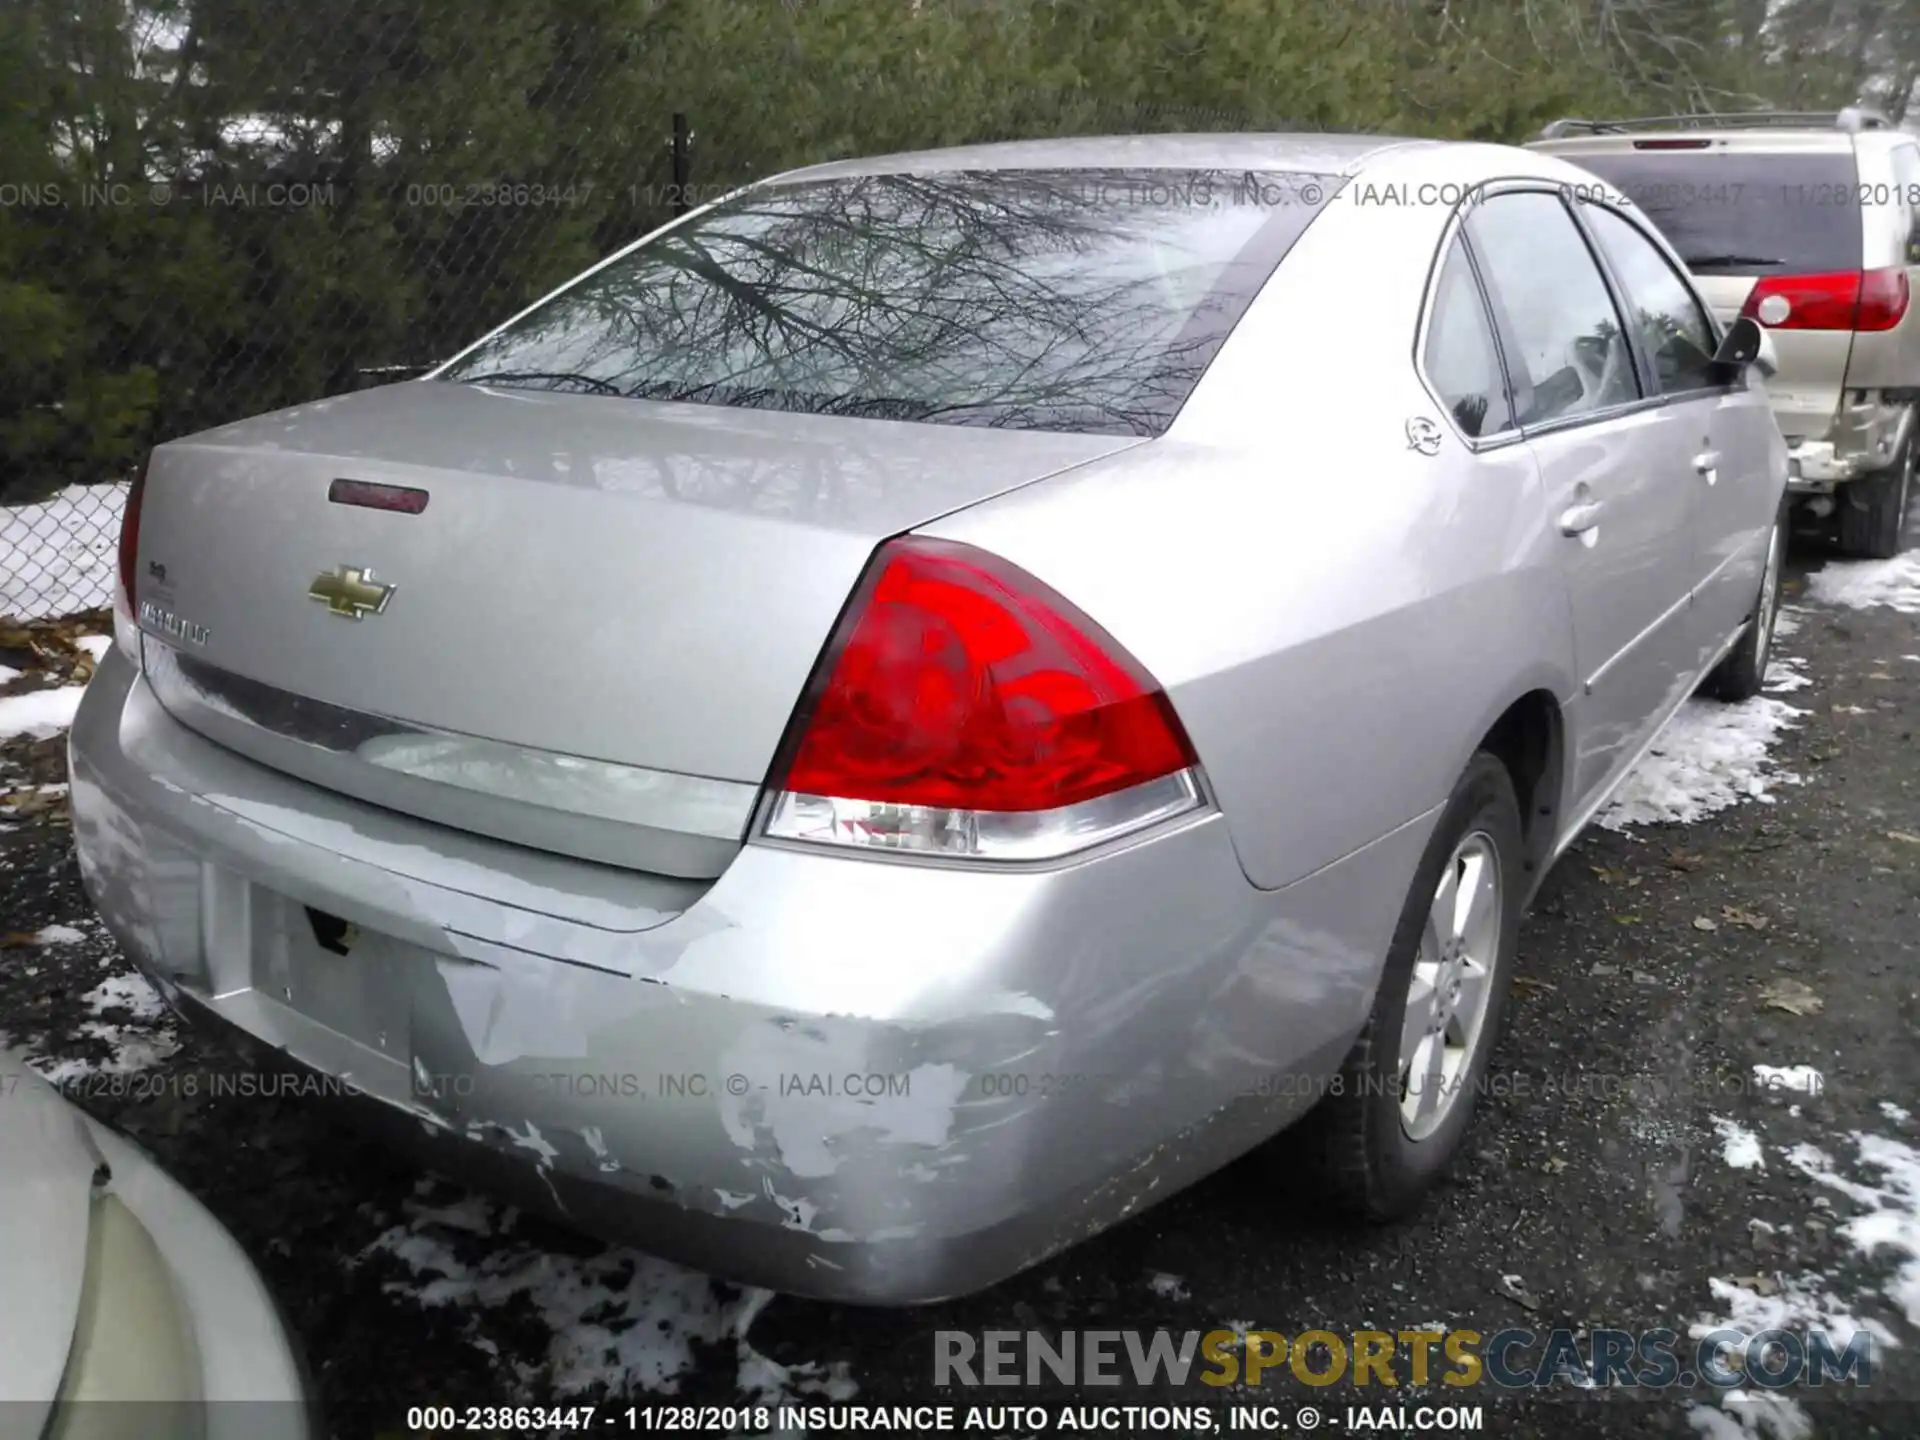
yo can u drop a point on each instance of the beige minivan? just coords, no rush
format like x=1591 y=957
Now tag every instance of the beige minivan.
x=1809 y=223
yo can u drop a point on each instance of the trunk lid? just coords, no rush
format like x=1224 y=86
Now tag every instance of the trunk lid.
x=638 y=584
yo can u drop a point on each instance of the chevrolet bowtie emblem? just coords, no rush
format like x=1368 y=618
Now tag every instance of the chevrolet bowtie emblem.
x=350 y=591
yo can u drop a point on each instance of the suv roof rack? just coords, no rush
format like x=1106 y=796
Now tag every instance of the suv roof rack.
x=1852 y=120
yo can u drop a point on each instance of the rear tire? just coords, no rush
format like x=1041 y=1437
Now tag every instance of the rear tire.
x=1873 y=509
x=1373 y=1153
x=1740 y=675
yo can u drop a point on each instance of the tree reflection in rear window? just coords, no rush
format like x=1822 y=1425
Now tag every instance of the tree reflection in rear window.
x=1078 y=300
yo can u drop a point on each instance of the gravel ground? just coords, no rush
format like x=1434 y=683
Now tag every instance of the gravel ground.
x=1627 y=1171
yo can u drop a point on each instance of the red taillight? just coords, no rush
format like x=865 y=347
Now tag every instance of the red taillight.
x=1883 y=299
x=961 y=688
x=130 y=534
x=1836 y=300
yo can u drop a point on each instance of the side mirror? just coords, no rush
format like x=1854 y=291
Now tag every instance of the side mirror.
x=1747 y=344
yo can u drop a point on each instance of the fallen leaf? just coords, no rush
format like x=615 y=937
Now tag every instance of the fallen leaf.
x=1734 y=915
x=1515 y=1289
x=18 y=937
x=1793 y=996
x=1701 y=922
x=1681 y=860
x=1554 y=1165
x=1903 y=837
x=1878 y=675
x=1609 y=877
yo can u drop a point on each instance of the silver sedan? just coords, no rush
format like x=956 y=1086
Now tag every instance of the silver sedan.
x=938 y=699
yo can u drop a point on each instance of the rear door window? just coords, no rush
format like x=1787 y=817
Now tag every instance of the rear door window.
x=1572 y=353
x=1740 y=212
x=1673 y=326
x=1460 y=357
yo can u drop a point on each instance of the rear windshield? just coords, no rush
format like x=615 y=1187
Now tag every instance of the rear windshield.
x=1741 y=213
x=1085 y=300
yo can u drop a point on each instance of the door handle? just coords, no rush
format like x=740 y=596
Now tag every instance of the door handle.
x=1707 y=462
x=1579 y=519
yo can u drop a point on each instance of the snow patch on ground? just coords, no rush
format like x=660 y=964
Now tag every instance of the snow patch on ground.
x=59 y=935
x=619 y=1319
x=1867 y=584
x=1710 y=756
x=39 y=713
x=1889 y=1221
x=58 y=557
x=129 y=993
x=1886 y=1225
x=1739 y=1146
x=1766 y=1414
x=1786 y=674
x=134 y=1048
x=134 y=1024
x=1800 y=1303
x=1168 y=1287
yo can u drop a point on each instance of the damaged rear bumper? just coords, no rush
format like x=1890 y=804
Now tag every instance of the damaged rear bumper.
x=843 y=1078
x=1868 y=436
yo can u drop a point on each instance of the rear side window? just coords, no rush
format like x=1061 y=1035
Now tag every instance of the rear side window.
x=1906 y=178
x=1736 y=212
x=1460 y=357
x=1672 y=325
x=1076 y=300
x=1572 y=353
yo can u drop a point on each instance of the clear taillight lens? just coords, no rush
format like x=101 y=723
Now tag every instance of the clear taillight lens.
x=965 y=709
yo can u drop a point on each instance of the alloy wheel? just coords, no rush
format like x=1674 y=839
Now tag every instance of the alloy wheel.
x=1451 y=993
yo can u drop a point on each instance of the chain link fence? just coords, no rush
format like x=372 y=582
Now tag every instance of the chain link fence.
x=57 y=556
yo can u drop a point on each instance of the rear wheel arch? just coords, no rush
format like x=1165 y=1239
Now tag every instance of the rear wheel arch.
x=1529 y=739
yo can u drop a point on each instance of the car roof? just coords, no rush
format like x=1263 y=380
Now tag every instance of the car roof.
x=1307 y=153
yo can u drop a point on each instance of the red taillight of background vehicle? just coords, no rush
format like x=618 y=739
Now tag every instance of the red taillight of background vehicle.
x=1837 y=300
x=130 y=533
x=964 y=708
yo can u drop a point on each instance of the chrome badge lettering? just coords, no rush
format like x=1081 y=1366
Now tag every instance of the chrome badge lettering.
x=168 y=623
